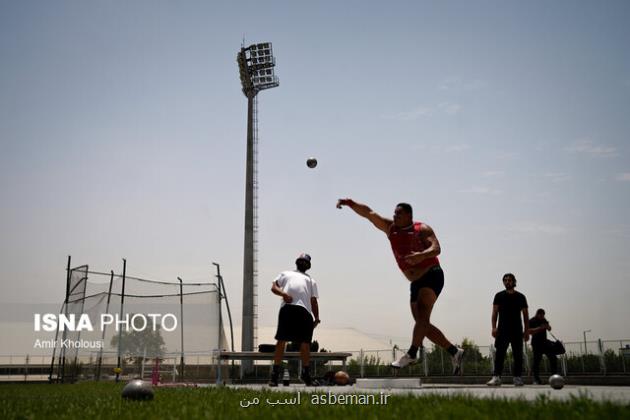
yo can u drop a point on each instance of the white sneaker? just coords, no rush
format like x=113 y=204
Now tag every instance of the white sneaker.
x=495 y=381
x=457 y=359
x=518 y=381
x=405 y=360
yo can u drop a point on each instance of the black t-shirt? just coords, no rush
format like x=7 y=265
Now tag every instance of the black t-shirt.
x=510 y=307
x=539 y=338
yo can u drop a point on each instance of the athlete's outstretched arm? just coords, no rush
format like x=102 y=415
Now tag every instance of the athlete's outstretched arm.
x=363 y=210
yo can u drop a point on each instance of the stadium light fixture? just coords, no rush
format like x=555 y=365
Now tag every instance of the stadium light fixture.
x=256 y=68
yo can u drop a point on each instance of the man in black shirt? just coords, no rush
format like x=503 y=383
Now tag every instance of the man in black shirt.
x=507 y=307
x=538 y=327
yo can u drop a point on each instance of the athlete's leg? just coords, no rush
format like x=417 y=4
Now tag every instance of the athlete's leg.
x=277 y=357
x=422 y=309
x=500 y=344
x=277 y=361
x=305 y=354
x=517 y=352
x=414 y=312
x=538 y=354
x=433 y=333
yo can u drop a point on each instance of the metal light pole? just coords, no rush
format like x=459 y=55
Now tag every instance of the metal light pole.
x=256 y=68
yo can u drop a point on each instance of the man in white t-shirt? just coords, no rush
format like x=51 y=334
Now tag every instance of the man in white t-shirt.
x=299 y=315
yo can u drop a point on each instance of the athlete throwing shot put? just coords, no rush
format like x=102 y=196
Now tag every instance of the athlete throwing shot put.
x=416 y=249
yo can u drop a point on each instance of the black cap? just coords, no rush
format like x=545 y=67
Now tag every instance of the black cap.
x=304 y=257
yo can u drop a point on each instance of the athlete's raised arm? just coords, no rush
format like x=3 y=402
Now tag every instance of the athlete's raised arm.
x=380 y=222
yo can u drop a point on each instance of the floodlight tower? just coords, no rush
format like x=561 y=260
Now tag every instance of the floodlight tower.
x=256 y=66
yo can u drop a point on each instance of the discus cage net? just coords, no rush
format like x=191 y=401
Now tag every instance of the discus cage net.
x=147 y=344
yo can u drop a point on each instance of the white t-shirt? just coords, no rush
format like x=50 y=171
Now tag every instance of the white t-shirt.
x=300 y=286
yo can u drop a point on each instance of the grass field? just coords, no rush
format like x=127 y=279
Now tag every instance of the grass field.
x=103 y=401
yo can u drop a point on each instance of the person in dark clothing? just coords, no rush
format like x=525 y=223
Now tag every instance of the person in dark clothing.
x=507 y=307
x=538 y=327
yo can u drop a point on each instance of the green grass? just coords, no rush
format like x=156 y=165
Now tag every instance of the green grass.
x=103 y=401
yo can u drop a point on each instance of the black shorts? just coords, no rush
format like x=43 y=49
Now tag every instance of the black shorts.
x=433 y=279
x=295 y=324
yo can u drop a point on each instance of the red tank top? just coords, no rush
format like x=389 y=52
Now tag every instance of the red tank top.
x=406 y=240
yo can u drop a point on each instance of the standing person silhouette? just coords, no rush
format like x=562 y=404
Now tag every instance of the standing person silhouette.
x=507 y=307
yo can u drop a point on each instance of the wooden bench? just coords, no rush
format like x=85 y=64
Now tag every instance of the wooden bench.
x=288 y=355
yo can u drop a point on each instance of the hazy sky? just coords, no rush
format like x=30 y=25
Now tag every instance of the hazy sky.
x=505 y=124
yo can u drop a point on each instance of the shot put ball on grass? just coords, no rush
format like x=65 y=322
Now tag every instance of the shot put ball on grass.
x=342 y=378
x=556 y=381
x=138 y=390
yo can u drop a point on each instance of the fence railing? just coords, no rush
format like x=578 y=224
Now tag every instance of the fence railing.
x=595 y=357
x=598 y=357
x=197 y=367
